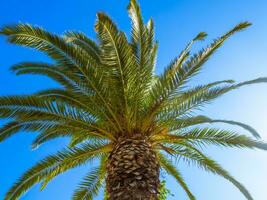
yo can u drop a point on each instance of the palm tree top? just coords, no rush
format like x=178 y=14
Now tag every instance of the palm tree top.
x=109 y=93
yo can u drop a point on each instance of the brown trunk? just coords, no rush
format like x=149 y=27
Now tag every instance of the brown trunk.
x=132 y=171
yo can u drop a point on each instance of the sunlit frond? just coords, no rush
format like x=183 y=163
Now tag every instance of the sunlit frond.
x=53 y=165
x=81 y=40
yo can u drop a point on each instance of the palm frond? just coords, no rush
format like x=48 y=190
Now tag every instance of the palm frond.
x=82 y=101
x=206 y=136
x=190 y=100
x=117 y=54
x=169 y=85
x=171 y=169
x=170 y=110
x=53 y=165
x=187 y=122
x=13 y=127
x=245 y=126
x=77 y=135
x=193 y=155
x=81 y=40
x=66 y=55
x=137 y=25
x=51 y=44
x=62 y=75
x=27 y=110
x=92 y=182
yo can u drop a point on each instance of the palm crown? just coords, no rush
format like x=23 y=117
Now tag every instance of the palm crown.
x=110 y=93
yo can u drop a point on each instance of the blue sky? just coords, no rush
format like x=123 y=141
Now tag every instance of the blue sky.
x=242 y=57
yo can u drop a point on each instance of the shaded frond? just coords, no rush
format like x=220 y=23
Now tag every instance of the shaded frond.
x=53 y=165
x=92 y=182
x=231 y=122
x=188 y=101
x=34 y=109
x=192 y=155
x=13 y=127
x=187 y=122
x=219 y=137
x=62 y=75
x=77 y=135
x=171 y=169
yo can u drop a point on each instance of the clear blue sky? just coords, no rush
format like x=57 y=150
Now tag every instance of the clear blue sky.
x=243 y=57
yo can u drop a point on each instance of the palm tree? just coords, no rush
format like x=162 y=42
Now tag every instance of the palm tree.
x=117 y=112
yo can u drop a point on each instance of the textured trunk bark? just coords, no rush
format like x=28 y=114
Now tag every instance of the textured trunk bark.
x=132 y=171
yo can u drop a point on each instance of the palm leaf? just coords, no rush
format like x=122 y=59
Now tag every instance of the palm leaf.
x=206 y=136
x=165 y=88
x=54 y=165
x=192 y=155
x=188 y=101
x=170 y=168
x=81 y=40
x=187 y=122
x=89 y=187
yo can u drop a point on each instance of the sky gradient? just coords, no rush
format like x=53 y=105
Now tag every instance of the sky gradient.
x=242 y=57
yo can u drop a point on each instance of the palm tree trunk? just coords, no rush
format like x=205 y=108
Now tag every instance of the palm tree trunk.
x=132 y=171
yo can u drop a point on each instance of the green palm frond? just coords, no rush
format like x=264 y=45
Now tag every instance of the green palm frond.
x=182 y=102
x=174 y=66
x=51 y=44
x=77 y=135
x=143 y=42
x=171 y=169
x=138 y=28
x=76 y=99
x=187 y=122
x=245 y=126
x=78 y=156
x=231 y=122
x=89 y=187
x=142 y=39
x=66 y=55
x=81 y=40
x=13 y=127
x=165 y=88
x=207 y=136
x=165 y=82
x=53 y=165
x=36 y=114
x=92 y=182
x=36 y=37
x=190 y=100
x=118 y=55
x=194 y=156
x=60 y=74
x=73 y=98
x=32 y=108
